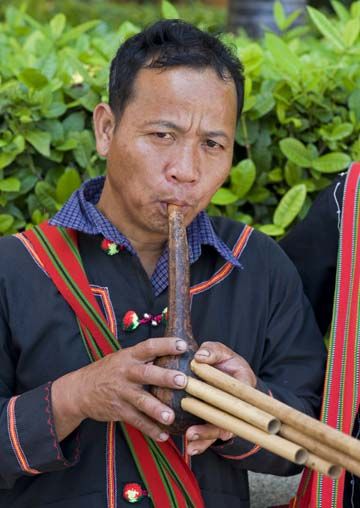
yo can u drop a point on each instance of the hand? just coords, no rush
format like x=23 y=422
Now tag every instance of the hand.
x=112 y=389
x=200 y=437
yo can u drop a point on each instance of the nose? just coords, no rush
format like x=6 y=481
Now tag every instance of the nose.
x=183 y=166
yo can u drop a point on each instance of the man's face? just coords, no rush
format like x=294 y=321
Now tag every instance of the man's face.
x=173 y=144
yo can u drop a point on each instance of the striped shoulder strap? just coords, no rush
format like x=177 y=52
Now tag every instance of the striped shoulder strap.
x=168 y=479
x=341 y=390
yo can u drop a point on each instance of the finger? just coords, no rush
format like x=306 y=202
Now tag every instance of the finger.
x=149 y=374
x=144 y=424
x=213 y=353
x=150 y=349
x=150 y=406
x=198 y=447
x=204 y=432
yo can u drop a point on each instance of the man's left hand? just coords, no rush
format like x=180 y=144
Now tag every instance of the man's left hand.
x=200 y=437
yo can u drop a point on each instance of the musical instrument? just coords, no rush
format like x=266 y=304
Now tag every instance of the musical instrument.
x=232 y=405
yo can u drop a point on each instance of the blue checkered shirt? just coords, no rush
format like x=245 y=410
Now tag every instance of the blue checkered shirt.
x=80 y=213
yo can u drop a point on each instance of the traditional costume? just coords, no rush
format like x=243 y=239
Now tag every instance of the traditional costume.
x=75 y=290
x=325 y=248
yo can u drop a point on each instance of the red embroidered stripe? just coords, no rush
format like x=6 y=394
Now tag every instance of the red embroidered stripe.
x=30 y=249
x=14 y=439
x=226 y=269
x=110 y=465
x=103 y=293
x=253 y=450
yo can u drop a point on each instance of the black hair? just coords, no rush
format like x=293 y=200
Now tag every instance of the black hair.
x=170 y=43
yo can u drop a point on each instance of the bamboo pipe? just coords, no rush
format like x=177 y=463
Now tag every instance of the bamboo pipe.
x=320 y=449
x=233 y=406
x=287 y=414
x=323 y=466
x=278 y=445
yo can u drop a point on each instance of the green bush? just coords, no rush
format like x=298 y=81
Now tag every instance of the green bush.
x=300 y=125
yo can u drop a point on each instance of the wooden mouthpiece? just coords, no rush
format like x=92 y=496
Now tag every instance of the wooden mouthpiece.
x=178 y=324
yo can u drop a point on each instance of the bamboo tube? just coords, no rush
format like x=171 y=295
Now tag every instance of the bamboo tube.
x=273 y=443
x=286 y=414
x=323 y=466
x=320 y=449
x=233 y=406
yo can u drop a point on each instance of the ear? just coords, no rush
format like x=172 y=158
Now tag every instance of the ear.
x=104 y=126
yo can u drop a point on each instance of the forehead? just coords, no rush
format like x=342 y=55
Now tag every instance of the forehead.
x=183 y=91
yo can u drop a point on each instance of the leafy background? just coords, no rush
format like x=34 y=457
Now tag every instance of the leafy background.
x=300 y=125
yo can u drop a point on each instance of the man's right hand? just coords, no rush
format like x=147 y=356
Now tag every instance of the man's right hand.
x=112 y=389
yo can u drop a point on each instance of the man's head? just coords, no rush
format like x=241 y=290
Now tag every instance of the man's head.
x=167 y=44
x=168 y=133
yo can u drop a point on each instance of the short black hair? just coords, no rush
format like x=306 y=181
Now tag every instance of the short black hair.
x=170 y=43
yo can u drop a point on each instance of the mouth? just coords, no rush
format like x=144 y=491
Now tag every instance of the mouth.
x=183 y=205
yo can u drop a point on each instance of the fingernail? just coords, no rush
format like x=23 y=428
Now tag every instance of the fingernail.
x=194 y=437
x=181 y=345
x=165 y=415
x=194 y=452
x=180 y=380
x=163 y=436
x=202 y=352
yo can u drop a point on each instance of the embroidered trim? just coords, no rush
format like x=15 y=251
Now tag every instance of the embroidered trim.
x=50 y=422
x=228 y=267
x=253 y=450
x=14 y=439
x=104 y=294
x=111 y=485
x=31 y=251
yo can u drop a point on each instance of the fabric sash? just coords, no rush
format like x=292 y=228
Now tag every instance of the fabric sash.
x=341 y=389
x=168 y=479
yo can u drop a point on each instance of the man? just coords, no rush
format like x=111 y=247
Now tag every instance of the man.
x=324 y=247
x=167 y=134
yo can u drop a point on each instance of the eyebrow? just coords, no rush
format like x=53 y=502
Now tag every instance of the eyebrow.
x=171 y=125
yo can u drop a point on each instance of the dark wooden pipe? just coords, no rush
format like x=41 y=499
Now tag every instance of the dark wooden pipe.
x=178 y=323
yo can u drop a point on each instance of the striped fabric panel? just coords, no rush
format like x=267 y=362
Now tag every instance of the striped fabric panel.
x=14 y=439
x=111 y=484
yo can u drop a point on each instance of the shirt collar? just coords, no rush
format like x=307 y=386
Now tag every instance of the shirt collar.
x=81 y=214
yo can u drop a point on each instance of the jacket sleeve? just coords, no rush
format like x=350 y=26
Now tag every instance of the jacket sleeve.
x=292 y=364
x=312 y=245
x=28 y=442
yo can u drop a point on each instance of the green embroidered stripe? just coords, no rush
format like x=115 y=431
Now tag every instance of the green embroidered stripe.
x=140 y=469
x=87 y=307
x=88 y=338
x=171 y=472
x=71 y=244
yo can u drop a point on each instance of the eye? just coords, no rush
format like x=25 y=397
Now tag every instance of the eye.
x=162 y=135
x=210 y=143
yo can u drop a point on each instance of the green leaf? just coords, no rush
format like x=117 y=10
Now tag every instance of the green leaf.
x=84 y=149
x=67 y=184
x=223 y=197
x=283 y=57
x=327 y=28
x=279 y=14
x=296 y=152
x=168 y=11
x=40 y=140
x=10 y=185
x=6 y=221
x=74 y=33
x=351 y=32
x=331 y=162
x=33 y=78
x=6 y=159
x=272 y=230
x=341 y=11
x=74 y=122
x=290 y=206
x=57 y=25
x=354 y=103
x=45 y=194
x=242 y=177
